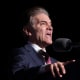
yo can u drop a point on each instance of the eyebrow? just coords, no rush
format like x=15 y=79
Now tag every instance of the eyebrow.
x=46 y=22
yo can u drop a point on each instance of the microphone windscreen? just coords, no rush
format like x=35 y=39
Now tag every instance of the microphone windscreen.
x=62 y=45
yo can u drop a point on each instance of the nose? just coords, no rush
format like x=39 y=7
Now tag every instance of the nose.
x=50 y=28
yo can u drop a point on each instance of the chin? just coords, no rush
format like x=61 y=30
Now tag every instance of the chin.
x=49 y=42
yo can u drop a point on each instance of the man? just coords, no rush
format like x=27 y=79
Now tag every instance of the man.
x=28 y=63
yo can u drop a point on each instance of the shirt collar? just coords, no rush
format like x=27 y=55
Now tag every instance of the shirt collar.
x=36 y=47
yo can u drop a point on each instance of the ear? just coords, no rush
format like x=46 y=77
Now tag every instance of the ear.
x=26 y=31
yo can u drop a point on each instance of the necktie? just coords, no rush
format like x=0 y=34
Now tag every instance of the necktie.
x=45 y=56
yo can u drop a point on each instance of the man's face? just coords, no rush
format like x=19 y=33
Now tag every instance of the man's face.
x=42 y=29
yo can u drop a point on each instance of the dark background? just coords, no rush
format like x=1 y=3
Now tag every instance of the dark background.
x=65 y=17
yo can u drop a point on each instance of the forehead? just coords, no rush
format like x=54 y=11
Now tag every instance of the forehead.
x=42 y=17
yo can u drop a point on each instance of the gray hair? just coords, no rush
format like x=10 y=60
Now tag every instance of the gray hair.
x=28 y=17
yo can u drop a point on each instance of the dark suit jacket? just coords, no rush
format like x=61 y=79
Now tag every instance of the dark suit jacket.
x=27 y=64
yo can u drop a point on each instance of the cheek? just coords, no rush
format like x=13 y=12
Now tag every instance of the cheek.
x=40 y=34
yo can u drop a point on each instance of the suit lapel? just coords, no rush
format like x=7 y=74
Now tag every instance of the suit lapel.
x=35 y=56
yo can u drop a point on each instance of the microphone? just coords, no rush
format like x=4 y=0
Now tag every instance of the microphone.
x=64 y=45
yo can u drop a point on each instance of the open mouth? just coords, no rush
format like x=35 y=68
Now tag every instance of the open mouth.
x=49 y=35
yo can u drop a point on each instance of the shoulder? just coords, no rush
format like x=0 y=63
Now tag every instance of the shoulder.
x=20 y=54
